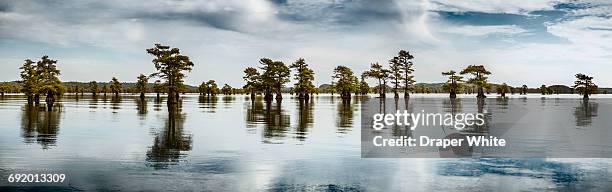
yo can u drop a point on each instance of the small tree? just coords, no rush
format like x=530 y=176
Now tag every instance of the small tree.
x=452 y=85
x=364 y=88
x=253 y=81
x=479 y=78
x=503 y=89
x=226 y=89
x=345 y=79
x=158 y=88
x=141 y=85
x=93 y=88
x=115 y=86
x=378 y=72
x=543 y=89
x=584 y=85
x=213 y=89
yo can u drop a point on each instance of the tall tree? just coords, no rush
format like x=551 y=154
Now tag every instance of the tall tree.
x=115 y=86
x=275 y=75
x=170 y=65
x=50 y=85
x=213 y=89
x=93 y=88
x=405 y=62
x=378 y=72
x=345 y=81
x=29 y=80
x=304 y=77
x=396 y=75
x=479 y=78
x=253 y=81
x=584 y=85
x=141 y=85
x=453 y=84
x=203 y=88
x=524 y=90
x=364 y=88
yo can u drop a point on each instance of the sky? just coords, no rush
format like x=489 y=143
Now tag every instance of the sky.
x=521 y=42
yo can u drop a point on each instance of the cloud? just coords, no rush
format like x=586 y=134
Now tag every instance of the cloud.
x=468 y=30
x=493 y=6
x=224 y=36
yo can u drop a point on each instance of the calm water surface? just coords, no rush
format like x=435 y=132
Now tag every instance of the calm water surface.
x=229 y=143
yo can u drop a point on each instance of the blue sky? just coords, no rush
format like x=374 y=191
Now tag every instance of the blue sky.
x=521 y=42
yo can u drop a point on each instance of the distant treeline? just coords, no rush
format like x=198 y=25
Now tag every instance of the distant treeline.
x=40 y=78
x=78 y=87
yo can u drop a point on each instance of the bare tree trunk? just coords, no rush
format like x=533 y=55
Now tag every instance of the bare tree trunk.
x=481 y=93
x=37 y=99
x=50 y=100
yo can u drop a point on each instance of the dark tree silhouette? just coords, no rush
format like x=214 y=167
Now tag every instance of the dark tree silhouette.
x=170 y=65
x=479 y=78
x=584 y=85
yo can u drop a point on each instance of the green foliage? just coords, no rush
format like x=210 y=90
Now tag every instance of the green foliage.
x=49 y=82
x=364 y=88
x=405 y=63
x=378 y=72
x=170 y=65
x=275 y=75
x=584 y=85
x=252 y=79
x=227 y=89
x=29 y=78
x=479 y=77
x=115 y=86
x=209 y=87
x=304 y=77
x=400 y=68
x=158 y=87
x=503 y=89
x=345 y=81
x=141 y=84
x=93 y=87
x=453 y=84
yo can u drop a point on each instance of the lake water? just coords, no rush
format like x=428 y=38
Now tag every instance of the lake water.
x=229 y=143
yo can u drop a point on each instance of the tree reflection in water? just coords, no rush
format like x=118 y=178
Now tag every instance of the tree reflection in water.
x=585 y=112
x=305 y=118
x=228 y=100
x=40 y=126
x=171 y=143
x=344 y=120
x=93 y=103
x=115 y=102
x=141 y=106
x=274 y=119
x=208 y=103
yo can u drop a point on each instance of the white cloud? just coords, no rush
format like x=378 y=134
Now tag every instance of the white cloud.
x=494 y=6
x=471 y=30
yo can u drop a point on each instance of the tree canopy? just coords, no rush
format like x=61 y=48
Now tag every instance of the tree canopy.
x=170 y=65
x=479 y=77
x=584 y=85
